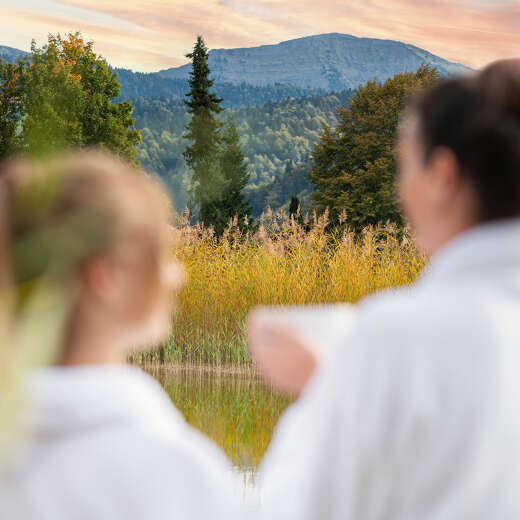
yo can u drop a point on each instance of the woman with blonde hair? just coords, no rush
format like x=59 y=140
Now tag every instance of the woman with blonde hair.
x=417 y=415
x=91 y=270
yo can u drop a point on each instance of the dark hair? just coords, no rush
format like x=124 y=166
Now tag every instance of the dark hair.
x=478 y=118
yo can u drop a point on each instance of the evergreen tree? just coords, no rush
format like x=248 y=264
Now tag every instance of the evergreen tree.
x=294 y=207
x=202 y=155
x=269 y=142
x=61 y=96
x=288 y=187
x=353 y=165
x=236 y=177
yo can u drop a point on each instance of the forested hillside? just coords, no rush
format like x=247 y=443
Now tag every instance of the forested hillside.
x=152 y=85
x=278 y=97
x=272 y=136
x=294 y=182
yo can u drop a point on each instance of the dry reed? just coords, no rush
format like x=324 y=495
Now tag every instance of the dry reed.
x=286 y=261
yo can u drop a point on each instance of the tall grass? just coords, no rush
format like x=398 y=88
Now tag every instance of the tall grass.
x=286 y=261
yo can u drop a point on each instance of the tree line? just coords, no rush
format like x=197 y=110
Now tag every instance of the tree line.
x=153 y=85
x=272 y=135
x=300 y=150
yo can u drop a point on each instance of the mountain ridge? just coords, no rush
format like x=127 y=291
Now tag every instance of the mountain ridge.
x=329 y=62
x=320 y=63
x=10 y=53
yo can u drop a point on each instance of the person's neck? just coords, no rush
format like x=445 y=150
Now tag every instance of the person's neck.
x=91 y=356
x=450 y=232
x=86 y=346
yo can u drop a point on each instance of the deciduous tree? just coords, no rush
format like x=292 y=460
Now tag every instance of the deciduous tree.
x=353 y=165
x=60 y=95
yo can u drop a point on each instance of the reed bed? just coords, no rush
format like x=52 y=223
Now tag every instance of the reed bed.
x=287 y=260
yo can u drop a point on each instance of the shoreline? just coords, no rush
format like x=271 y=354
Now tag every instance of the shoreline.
x=235 y=370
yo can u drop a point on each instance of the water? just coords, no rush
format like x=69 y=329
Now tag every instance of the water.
x=234 y=407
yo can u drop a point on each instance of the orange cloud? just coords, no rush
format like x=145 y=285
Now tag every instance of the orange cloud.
x=154 y=34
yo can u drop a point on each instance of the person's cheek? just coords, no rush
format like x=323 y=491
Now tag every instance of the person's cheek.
x=147 y=293
x=173 y=275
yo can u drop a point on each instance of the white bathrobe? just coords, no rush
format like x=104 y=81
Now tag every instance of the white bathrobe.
x=418 y=414
x=106 y=443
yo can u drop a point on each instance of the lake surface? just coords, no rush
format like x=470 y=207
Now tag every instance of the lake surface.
x=232 y=406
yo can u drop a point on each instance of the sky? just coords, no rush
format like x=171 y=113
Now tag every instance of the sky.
x=149 y=35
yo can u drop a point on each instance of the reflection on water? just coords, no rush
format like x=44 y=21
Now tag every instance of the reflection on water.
x=232 y=406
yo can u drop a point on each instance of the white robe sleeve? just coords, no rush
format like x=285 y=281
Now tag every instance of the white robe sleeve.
x=331 y=455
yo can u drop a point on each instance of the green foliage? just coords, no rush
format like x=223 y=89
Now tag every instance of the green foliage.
x=154 y=85
x=271 y=135
x=353 y=165
x=277 y=194
x=294 y=207
x=275 y=133
x=10 y=94
x=236 y=176
x=214 y=155
x=60 y=96
x=202 y=155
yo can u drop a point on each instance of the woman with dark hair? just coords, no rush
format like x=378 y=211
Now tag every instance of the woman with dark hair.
x=418 y=415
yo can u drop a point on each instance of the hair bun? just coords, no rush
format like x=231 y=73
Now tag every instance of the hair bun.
x=500 y=81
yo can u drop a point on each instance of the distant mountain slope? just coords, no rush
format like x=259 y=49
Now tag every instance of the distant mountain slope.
x=309 y=66
x=328 y=61
x=10 y=54
x=151 y=85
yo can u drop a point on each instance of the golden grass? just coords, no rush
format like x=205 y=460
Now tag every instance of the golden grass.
x=283 y=262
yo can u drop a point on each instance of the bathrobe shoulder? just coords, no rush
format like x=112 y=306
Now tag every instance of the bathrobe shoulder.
x=106 y=442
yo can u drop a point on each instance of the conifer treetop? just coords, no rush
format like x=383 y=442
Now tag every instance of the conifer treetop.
x=200 y=96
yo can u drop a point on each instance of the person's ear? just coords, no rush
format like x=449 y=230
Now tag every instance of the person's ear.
x=99 y=280
x=445 y=176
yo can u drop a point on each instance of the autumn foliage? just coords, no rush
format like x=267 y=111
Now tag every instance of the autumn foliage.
x=60 y=95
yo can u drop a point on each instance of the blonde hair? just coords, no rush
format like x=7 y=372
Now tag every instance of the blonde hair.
x=54 y=216
x=62 y=211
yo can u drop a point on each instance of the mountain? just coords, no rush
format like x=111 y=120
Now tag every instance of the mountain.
x=328 y=61
x=11 y=54
x=299 y=68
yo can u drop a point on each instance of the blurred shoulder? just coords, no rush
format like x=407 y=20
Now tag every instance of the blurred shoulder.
x=416 y=308
x=163 y=475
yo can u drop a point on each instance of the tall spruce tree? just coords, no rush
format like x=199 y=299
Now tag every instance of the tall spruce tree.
x=236 y=177
x=219 y=168
x=202 y=155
